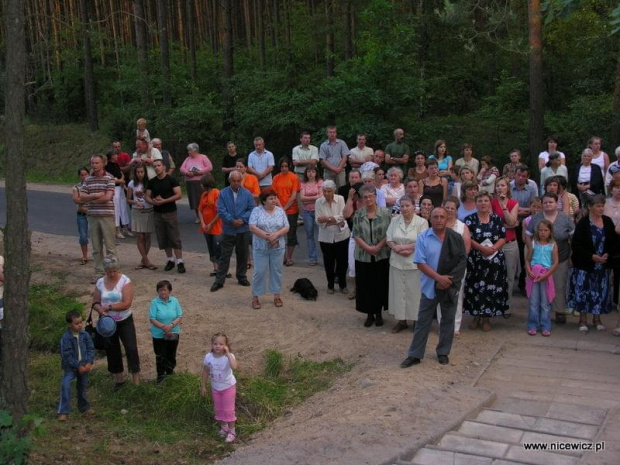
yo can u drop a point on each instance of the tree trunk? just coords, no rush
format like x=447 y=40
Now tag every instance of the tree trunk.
x=191 y=42
x=536 y=127
x=615 y=124
x=227 y=94
x=248 y=25
x=329 y=38
x=162 y=18
x=14 y=364
x=348 y=30
x=261 y=34
x=143 y=58
x=90 y=98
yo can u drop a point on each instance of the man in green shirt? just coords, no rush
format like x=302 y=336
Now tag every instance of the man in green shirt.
x=397 y=153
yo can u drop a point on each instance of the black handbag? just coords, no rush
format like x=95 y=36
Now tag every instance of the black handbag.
x=101 y=343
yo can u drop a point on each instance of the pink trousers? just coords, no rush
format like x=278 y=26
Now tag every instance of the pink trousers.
x=224 y=403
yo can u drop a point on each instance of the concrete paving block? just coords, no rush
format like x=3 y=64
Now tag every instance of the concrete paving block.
x=443 y=457
x=505 y=462
x=523 y=406
x=491 y=432
x=518 y=454
x=473 y=446
x=595 y=346
x=541 y=393
x=576 y=413
x=549 y=438
x=600 y=401
x=565 y=428
x=511 y=420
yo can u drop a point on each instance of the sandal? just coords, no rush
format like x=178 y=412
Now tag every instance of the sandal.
x=255 y=303
x=583 y=329
x=140 y=266
x=150 y=266
x=599 y=326
x=278 y=301
x=532 y=332
x=230 y=437
x=84 y=261
x=474 y=324
x=289 y=263
x=351 y=296
x=616 y=332
x=486 y=325
x=546 y=333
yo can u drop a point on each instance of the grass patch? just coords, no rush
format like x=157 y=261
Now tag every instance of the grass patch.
x=151 y=423
x=164 y=422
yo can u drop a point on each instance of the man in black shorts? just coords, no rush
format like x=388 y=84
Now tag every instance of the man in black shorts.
x=163 y=191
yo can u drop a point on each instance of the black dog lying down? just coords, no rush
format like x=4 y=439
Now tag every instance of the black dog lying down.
x=305 y=288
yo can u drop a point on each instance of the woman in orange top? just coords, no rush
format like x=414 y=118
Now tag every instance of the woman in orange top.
x=287 y=186
x=250 y=182
x=210 y=221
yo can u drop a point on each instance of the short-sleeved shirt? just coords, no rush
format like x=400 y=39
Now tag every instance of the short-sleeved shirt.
x=208 y=208
x=165 y=188
x=361 y=156
x=427 y=252
x=260 y=163
x=472 y=164
x=165 y=313
x=229 y=162
x=123 y=159
x=286 y=186
x=250 y=182
x=95 y=184
x=397 y=149
x=304 y=154
x=220 y=372
x=114 y=296
x=563 y=229
x=138 y=196
x=335 y=152
x=268 y=222
x=311 y=190
x=524 y=195
x=155 y=155
x=545 y=156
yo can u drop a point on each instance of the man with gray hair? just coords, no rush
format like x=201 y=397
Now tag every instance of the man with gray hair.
x=166 y=156
x=234 y=205
x=440 y=256
x=98 y=193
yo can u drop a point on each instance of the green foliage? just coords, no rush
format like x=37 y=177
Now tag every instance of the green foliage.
x=48 y=305
x=15 y=437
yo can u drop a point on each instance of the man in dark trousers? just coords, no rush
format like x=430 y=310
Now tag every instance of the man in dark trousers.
x=234 y=206
x=440 y=256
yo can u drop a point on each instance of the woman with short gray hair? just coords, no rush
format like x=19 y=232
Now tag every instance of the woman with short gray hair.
x=333 y=235
x=395 y=188
x=194 y=167
x=113 y=296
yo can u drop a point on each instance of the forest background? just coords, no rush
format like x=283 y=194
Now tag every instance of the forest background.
x=209 y=71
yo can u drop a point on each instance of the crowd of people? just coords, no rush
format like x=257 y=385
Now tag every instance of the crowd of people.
x=454 y=236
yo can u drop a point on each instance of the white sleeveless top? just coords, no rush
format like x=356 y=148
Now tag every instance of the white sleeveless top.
x=114 y=296
x=459 y=227
x=600 y=161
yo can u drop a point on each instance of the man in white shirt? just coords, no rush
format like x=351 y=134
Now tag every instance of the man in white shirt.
x=261 y=163
x=361 y=153
x=304 y=155
x=147 y=155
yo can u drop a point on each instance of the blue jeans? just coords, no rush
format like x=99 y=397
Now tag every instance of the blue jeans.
x=267 y=261
x=312 y=230
x=65 y=391
x=539 y=315
x=82 y=224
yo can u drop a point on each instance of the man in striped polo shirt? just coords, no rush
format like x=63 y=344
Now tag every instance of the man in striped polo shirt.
x=98 y=191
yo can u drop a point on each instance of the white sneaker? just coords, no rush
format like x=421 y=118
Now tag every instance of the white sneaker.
x=223 y=432
x=127 y=233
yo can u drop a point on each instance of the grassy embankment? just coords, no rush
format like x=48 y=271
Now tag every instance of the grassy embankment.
x=150 y=423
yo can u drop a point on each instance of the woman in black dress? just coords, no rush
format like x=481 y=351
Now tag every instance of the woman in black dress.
x=486 y=284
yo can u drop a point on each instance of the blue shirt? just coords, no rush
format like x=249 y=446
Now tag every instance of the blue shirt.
x=524 y=195
x=427 y=252
x=230 y=210
x=260 y=163
x=333 y=153
x=165 y=313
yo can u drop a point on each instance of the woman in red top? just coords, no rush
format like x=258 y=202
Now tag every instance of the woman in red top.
x=287 y=186
x=210 y=221
x=507 y=209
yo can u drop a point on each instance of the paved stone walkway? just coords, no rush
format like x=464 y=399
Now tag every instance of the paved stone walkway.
x=545 y=393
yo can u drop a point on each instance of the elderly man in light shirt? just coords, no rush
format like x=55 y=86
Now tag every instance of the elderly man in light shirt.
x=147 y=155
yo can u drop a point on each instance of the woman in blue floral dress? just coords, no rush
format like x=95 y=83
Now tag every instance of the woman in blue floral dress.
x=594 y=243
x=486 y=284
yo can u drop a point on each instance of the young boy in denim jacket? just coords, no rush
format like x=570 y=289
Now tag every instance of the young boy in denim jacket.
x=77 y=354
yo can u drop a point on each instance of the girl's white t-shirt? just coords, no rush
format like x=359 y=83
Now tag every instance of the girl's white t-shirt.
x=219 y=371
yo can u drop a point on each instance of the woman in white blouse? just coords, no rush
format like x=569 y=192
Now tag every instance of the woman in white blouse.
x=333 y=236
x=404 y=290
